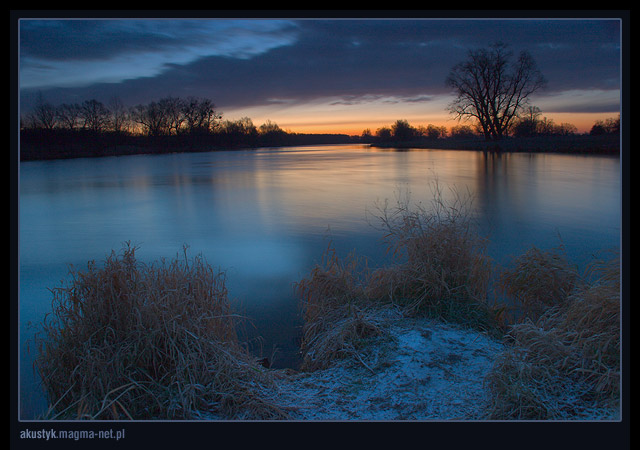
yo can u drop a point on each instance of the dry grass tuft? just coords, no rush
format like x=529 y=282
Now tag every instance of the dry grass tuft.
x=444 y=270
x=538 y=280
x=130 y=341
x=567 y=363
x=441 y=270
x=335 y=311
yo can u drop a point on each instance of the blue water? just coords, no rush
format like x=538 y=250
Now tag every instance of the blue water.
x=266 y=216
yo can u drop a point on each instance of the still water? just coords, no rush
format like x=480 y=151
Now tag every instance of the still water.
x=266 y=216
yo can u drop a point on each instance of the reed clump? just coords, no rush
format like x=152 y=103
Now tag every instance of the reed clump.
x=537 y=280
x=439 y=269
x=337 y=316
x=135 y=341
x=442 y=268
x=566 y=363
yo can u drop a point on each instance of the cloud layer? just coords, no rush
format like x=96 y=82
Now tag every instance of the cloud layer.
x=259 y=63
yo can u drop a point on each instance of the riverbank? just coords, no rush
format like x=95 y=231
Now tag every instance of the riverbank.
x=41 y=147
x=608 y=144
x=415 y=369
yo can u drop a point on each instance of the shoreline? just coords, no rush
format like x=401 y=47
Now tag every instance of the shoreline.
x=417 y=369
x=577 y=144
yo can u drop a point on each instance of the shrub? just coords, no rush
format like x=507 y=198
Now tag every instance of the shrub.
x=130 y=341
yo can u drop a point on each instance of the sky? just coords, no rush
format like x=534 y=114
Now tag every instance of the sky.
x=311 y=74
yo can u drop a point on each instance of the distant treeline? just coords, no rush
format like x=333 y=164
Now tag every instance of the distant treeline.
x=530 y=124
x=529 y=133
x=172 y=124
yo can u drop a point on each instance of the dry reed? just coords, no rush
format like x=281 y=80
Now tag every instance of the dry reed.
x=443 y=269
x=131 y=341
x=335 y=312
x=566 y=364
x=537 y=280
x=440 y=270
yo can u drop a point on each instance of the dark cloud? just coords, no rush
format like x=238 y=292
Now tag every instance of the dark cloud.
x=352 y=60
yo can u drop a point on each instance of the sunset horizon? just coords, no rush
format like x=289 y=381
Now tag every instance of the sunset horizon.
x=314 y=75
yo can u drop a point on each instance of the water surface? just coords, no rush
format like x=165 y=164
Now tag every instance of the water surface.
x=266 y=216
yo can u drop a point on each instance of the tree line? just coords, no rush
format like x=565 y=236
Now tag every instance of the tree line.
x=164 y=117
x=530 y=124
x=94 y=128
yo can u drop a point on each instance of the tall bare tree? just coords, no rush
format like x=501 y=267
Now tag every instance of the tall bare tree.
x=493 y=88
x=118 y=115
x=69 y=115
x=44 y=113
x=95 y=115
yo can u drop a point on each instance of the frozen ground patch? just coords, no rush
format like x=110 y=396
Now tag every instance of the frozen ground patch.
x=418 y=369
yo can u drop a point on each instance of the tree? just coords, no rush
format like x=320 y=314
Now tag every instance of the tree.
x=173 y=110
x=119 y=116
x=199 y=115
x=69 y=115
x=492 y=88
x=462 y=131
x=151 y=118
x=384 y=133
x=402 y=130
x=435 y=132
x=608 y=126
x=527 y=123
x=95 y=115
x=44 y=114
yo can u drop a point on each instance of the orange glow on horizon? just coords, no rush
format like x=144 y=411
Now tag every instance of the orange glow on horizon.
x=325 y=116
x=582 y=121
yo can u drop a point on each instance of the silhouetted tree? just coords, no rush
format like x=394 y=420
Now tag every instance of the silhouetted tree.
x=384 y=133
x=492 y=88
x=95 y=115
x=119 y=118
x=151 y=118
x=435 y=132
x=69 y=115
x=199 y=115
x=172 y=108
x=402 y=130
x=462 y=131
x=608 y=126
x=366 y=135
x=44 y=114
x=527 y=123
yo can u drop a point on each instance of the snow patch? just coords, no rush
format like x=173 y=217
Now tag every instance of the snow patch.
x=418 y=369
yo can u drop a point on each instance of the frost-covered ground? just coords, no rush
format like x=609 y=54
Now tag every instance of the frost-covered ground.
x=417 y=370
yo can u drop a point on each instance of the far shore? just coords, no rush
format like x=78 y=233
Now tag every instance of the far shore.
x=606 y=144
x=582 y=144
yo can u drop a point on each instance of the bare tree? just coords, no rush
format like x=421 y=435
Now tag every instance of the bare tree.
x=69 y=115
x=173 y=111
x=118 y=114
x=151 y=118
x=44 y=113
x=95 y=115
x=492 y=88
x=200 y=115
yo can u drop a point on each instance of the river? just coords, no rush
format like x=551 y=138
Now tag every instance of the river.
x=266 y=216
